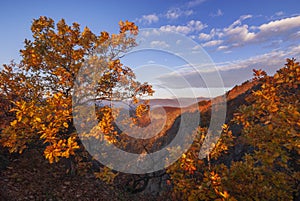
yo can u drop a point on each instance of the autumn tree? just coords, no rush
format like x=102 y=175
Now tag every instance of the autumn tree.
x=201 y=179
x=42 y=85
x=269 y=170
x=271 y=127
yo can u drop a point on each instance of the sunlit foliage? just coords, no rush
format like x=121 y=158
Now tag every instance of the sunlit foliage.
x=36 y=102
x=271 y=128
x=41 y=86
x=271 y=125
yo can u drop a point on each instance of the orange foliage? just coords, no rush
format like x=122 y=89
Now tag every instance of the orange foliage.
x=42 y=85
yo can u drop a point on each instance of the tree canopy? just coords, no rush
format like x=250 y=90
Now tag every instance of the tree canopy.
x=42 y=85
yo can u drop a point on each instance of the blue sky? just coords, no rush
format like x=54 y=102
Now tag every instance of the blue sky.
x=237 y=35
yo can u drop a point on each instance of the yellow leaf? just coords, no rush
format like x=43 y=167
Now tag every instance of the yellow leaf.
x=66 y=124
x=38 y=119
x=13 y=123
x=19 y=116
x=225 y=194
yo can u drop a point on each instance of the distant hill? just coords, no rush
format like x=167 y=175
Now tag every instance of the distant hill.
x=17 y=171
x=176 y=102
x=234 y=99
x=165 y=102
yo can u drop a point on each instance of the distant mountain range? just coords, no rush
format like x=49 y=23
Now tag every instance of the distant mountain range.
x=233 y=100
x=165 y=102
x=180 y=102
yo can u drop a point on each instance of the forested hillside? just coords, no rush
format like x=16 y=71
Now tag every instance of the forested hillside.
x=43 y=158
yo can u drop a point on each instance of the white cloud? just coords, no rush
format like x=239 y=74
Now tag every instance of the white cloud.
x=195 y=3
x=175 y=13
x=188 y=12
x=214 y=32
x=279 y=13
x=239 y=34
x=276 y=15
x=196 y=25
x=173 y=28
x=197 y=47
x=270 y=61
x=204 y=36
x=172 y=13
x=191 y=26
x=149 y=19
x=217 y=14
x=222 y=47
x=151 y=62
x=295 y=35
x=232 y=73
x=178 y=42
x=240 y=20
x=150 y=32
x=158 y=43
x=279 y=26
x=212 y=43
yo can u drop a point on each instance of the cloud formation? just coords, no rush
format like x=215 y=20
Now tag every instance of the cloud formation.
x=217 y=14
x=148 y=19
x=158 y=43
x=194 y=3
x=232 y=73
x=191 y=26
x=171 y=14
x=212 y=43
x=239 y=34
x=175 y=13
